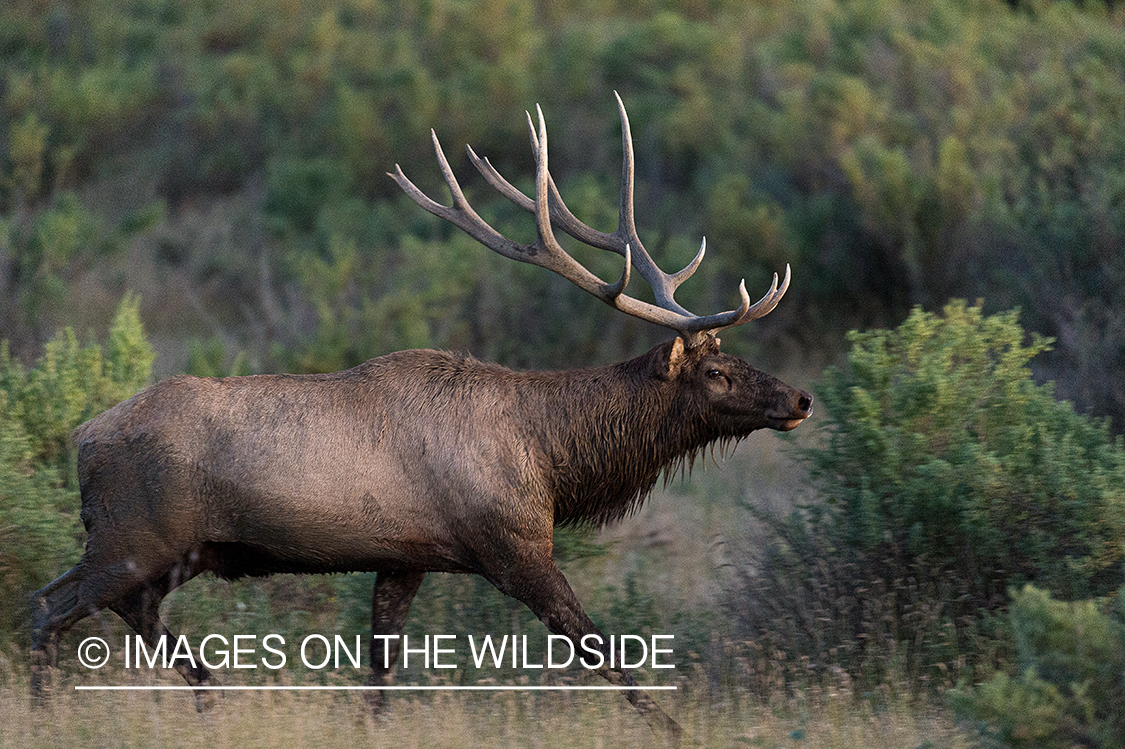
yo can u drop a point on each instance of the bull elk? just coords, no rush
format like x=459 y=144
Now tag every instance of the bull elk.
x=414 y=462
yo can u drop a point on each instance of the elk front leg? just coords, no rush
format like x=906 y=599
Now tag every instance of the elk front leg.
x=544 y=589
x=390 y=603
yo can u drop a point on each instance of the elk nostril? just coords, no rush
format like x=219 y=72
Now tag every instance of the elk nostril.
x=804 y=403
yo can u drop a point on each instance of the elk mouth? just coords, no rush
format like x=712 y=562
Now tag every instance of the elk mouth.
x=784 y=425
x=800 y=411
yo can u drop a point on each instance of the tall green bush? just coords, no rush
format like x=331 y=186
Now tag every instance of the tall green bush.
x=39 y=407
x=945 y=476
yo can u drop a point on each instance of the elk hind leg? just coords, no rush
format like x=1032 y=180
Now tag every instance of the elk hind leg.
x=86 y=588
x=390 y=603
x=54 y=608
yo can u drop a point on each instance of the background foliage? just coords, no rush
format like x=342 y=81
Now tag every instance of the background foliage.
x=228 y=162
x=1070 y=671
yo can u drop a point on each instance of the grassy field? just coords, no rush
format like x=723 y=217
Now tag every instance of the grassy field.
x=819 y=719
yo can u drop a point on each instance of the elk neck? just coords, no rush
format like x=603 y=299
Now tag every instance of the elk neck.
x=608 y=433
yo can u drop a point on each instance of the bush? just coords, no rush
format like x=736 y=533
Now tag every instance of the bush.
x=39 y=407
x=946 y=475
x=1071 y=675
x=38 y=519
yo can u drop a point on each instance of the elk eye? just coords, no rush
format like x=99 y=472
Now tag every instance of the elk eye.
x=714 y=374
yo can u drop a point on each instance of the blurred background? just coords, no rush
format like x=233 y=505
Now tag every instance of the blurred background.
x=227 y=161
x=200 y=187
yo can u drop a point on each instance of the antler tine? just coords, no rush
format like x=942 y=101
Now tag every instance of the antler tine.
x=549 y=208
x=606 y=292
x=763 y=306
x=560 y=214
x=461 y=214
x=663 y=284
x=544 y=252
x=682 y=275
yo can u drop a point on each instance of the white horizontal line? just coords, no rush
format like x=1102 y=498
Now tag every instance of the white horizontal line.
x=397 y=688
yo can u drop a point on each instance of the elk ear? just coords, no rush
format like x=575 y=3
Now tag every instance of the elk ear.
x=675 y=359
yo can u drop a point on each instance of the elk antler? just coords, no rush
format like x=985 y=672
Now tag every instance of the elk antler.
x=548 y=207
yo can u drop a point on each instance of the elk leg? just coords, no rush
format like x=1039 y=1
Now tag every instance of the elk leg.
x=390 y=603
x=141 y=611
x=54 y=609
x=546 y=592
x=88 y=587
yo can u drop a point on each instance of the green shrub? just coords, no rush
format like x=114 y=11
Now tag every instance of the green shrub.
x=39 y=407
x=71 y=383
x=38 y=519
x=941 y=446
x=1071 y=675
x=44 y=252
x=946 y=475
x=297 y=189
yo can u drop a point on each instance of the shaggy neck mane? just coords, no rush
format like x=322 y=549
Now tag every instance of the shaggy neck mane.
x=609 y=433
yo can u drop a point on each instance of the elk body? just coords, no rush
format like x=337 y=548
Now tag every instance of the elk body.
x=414 y=462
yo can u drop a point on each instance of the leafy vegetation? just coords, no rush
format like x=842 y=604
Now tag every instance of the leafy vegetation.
x=945 y=476
x=39 y=406
x=1070 y=672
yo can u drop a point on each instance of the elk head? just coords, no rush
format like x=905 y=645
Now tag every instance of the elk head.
x=733 y=387
x=733 y=397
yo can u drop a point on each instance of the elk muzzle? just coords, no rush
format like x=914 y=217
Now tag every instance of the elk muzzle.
x=791 y=412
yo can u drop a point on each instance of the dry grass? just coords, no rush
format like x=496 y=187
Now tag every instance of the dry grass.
x=431 y=721
x=687 y=532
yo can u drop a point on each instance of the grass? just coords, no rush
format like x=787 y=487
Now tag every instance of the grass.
x=813 y=718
